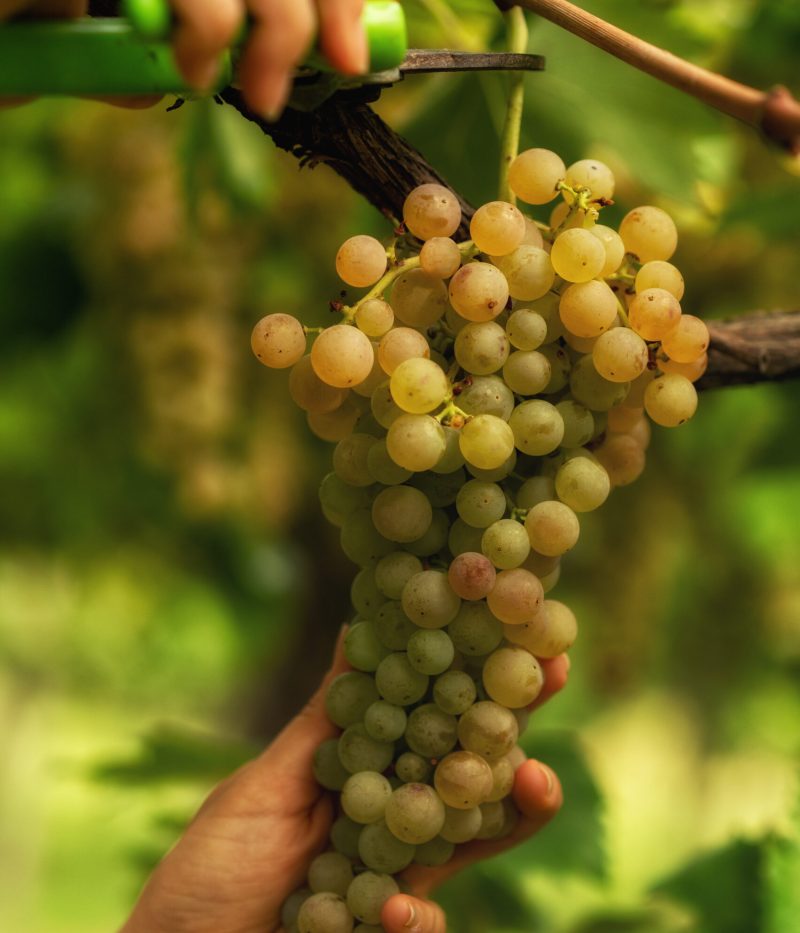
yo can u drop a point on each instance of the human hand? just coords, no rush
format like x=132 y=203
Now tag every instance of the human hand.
x=280 y=35
x=251 y=842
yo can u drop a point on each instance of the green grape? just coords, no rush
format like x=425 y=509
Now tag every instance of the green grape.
x=577 y=256
x=526 y=329
x=385 y=722
x=361 y=541
x=486 y=441
x=415 y=813
x=418 y=299
x=430 y=651
x=342 y=498
x=291 y=908
x=364 y=593
x=452 y=458
x=367 y=894
x=463 y=538
x=381 y=851
x=461 y=825
x=488 y=729
x=328 y=769
x=482 y=348
x=324 y=913
x=419 y=386
x=401 y=513
x=383 y=407
x=429 y=601
x=416 y=442
x=517 y=594
x=478 y=291
x=588 y=309
x=475 y=631
x=412 y=768
x=528 y=271
x=578 y=424
x=393 y=627
x=430 y=731
x=278 y=341
x=493 y=820
x=398 y=682
x=506 y=544
x=512 y=677
x=471 y=575
x=362 y=647
x=487 y=395
x=480 y=504
x=434 y=539
x=330 y=871
x=368 y=928
x=431 y=210
x=463 y=780
x=534 y=175
x=649 y=233
x=582 y=484
x=364 y=796
x=497 y=228
x=590 y=389
x=553 y=528
x=535 y=490
x=382 y=468
x=537 y=427
x=374 y=317
x=440 y=490
x=660 y=274
x=552 y=632
x=454 y=692
x=350 y=459
x=560 y=367
x=670 y=400
x=359 y=752
x=527 y=372
x=502 y=779
x=342 y=356
x=344 y=836
x=348 y=697
x=436 y=852
x=394 y=571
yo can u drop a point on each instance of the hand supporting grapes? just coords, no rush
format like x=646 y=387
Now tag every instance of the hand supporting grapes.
x=280 y=35
x=251 y=842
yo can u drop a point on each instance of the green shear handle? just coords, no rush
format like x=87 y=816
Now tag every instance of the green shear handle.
x=118 y=57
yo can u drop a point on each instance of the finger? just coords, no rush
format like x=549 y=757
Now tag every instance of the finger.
x=206 y=28
x=401 y=914
x=538 y=795
x=279 y=39
x=342 y=35
x=556 y=672
x=294 y=747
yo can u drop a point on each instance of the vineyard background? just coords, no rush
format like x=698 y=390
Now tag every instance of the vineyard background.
x=169 y=592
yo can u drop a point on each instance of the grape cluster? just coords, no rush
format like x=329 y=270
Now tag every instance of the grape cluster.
x=481 y=396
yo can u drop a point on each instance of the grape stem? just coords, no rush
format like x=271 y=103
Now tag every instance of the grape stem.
x=517 y=29
x=452 y=413
x=396 y=268
x=776 y=113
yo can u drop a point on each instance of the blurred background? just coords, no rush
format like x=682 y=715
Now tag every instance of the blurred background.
x=169 y=593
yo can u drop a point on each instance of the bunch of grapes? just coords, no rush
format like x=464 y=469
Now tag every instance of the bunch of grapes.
x=481 y=396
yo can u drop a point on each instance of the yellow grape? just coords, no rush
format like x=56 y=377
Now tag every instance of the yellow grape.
x=431 y=210
x=479 y=291
x=361 y=261
x=577 y=256
x=486 y=442
x=418 y=299
x=419 y=386
x=692 y=371
x=591 y=174
x=399 y=344
x=342 y=356
x=670 y=400
x=649 y=233
x=613 y=245
x=688 y=341
x=375 y=317
x=278 y=341
x=653 y=313
x=620 y=355
x=528 y=271
x=309 y=392
x=587 y=309
x=440 y=257
x=534 y=174
x=497 y=228
x=660 y=274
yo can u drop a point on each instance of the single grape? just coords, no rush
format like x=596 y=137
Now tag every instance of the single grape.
x=537 y=427
x=434 y=539
x=328 y=769
x=419 y=386
x=278 y=341
x=475 y=631
x=622 y=457
x=359 y=752
x=688 y=341
x=430 y=731
x=362 y=647
x=517 y=595
x=527 y=372
x=614 y=247
x=512 y=677
x=582 y=484
x=670 y=400
x=486 y=441
x=534 y=175
x=342 y=356
x=440 y=257
x=454 y=692
x=497 y=228
x=593 y=391
x=463 y=780
x=649 y=233
x=482 y=348
x=350 y=459
x=692 y=371
x=335 y=425
x=461 y=825
x=436 y=852
x=418 y=299
x=412 y=768
x=330 y=871
x=502 y=778
x=398 y=682
x=577 y=256
x=479 y=291
x=553 y=528
x=402 y=513
x=591 y=174
x=400 y=344
x=429 y=601
x=385 y=722
x=415 y=813
x=364 y=796
x=528 y=271
x=488 y=729
x=506 y=544
x=393 y=627
x=471 y=575
x=535 y=490
x=654 y=313
x=430 y=651
x=382 y=468
x=374 y=317
x=324 y=913
x=348 y=697
x=367 y=894
x=588 y=309
x=550 y=633
x=493 y=819
x=344 y=836
x=394 y=571
x=620 y=355
x=526 y=329
x=660 y=274
x=578 y=427
x=361 y=541
x=479 y=504
x=364 y=594
x=431 y=211
x=381 y=851
x=487 y=395
x=309 y=392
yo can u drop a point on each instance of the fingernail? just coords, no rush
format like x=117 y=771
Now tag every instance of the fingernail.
x=411 y=919
x=274 y=97
x=549 y=777
x=360 y=53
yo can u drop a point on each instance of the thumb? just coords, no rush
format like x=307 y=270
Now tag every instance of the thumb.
x=402 y=914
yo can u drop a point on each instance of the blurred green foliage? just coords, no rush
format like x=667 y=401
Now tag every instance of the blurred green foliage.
x=168 y=593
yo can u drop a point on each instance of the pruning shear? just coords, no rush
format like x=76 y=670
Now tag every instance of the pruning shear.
x=131 y=56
